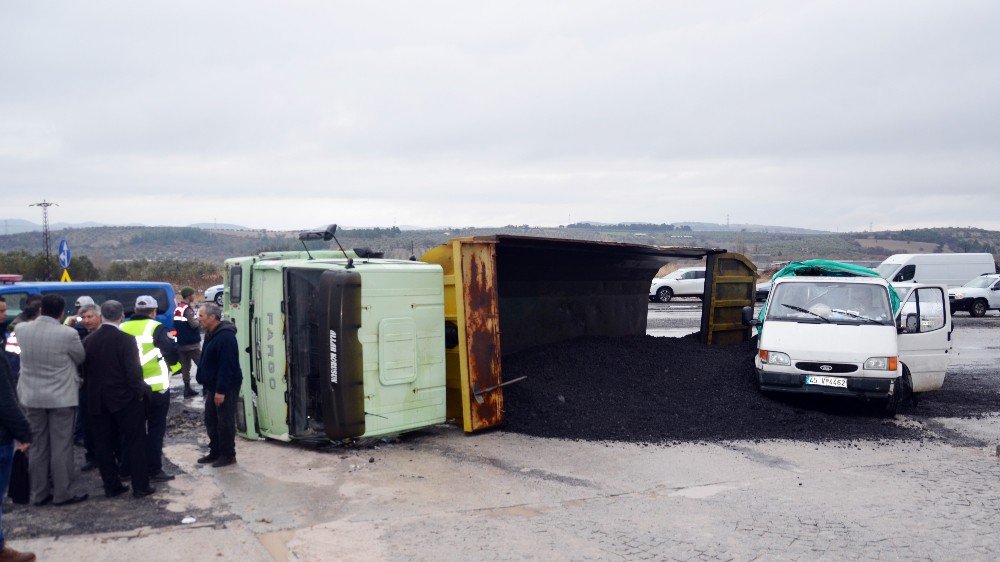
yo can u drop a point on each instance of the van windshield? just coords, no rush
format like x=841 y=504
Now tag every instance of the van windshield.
x=831 y=302
x=886 y=270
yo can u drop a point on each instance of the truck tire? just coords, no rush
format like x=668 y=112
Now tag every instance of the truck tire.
x=664 y=294
x=978 y=308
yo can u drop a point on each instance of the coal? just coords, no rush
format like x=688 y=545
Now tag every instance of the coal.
x=666 y=390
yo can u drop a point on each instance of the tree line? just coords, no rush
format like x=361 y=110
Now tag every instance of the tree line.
x=32 y=267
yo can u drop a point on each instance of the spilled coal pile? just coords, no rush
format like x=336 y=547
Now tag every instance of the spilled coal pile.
x=664 y=390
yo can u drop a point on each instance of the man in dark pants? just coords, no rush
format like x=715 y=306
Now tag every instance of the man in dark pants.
x=115 y=393
x=220 y=376
x=14 y=433
x=159 y=357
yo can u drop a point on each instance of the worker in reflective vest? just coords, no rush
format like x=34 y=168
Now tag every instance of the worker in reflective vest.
x=188 y=336
x=159 y=357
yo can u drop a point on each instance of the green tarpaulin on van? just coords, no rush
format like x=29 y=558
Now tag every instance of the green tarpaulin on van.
x=828 y=268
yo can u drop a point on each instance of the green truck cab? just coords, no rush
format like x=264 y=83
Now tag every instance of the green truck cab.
x=335 y=345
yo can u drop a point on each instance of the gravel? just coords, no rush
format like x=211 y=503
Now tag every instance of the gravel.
x=671 y=390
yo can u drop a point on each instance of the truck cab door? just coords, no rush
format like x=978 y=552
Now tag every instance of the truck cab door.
x=924 y=323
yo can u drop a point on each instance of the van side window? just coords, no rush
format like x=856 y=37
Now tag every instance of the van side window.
x=906 y=274
x=235 y=284
x=15 y=304
x=927 y=306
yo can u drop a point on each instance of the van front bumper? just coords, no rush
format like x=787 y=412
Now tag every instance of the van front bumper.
x=868 y=387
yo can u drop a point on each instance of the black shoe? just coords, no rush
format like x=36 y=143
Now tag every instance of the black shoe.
x=45 y=501
x=121 y=489
x=143 y=493
x=73 y=500
x=88 y=466
x=189 y=392
x=211 y=457
x=161 y=477
x=224 y=461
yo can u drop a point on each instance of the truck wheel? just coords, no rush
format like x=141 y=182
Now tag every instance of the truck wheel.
x=664 y=294
x=978 y=308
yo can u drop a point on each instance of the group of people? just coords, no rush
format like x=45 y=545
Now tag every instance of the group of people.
x=103 y=381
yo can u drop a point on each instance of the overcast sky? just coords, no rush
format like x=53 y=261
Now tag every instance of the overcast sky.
x=829 y=115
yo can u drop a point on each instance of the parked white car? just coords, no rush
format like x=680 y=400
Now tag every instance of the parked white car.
x=976 y=296
x=214 y=294
x=685 y=282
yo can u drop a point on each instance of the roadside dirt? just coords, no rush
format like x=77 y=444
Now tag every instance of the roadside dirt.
x=102 y=515
x=664 y=390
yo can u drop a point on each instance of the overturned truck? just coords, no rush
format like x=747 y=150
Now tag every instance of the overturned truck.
x=345 y=344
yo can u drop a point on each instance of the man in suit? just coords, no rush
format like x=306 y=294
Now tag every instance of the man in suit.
x=115 y=393
x=49 y=391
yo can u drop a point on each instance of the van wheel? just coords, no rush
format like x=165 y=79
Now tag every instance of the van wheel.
x=664 y=294
x=218 y=298
x=978 y=308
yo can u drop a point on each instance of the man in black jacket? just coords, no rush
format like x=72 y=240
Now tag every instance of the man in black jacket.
x=115 y=392
x=220 y=376
x=14 y=433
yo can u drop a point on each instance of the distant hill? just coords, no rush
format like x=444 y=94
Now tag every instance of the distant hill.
x=109 y=243
x=715 y=227
x=216 y=226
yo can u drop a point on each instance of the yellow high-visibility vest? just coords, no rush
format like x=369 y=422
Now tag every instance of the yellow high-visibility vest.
x=155 y=370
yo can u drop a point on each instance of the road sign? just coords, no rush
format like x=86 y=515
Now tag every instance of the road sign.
x=65 y=277
x=64 y=254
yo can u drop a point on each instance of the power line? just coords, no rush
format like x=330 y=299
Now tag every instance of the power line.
x=45 y=234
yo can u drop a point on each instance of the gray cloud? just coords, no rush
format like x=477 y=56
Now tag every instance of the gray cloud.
x=822 y=114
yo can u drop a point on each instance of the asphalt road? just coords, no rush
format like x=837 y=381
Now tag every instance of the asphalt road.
x=439 y=494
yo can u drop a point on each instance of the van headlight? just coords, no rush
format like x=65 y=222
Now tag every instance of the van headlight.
x=774 y=357
x=881 y=363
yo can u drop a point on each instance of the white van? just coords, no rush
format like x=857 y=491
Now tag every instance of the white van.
x=953 y=270
x=839 y=336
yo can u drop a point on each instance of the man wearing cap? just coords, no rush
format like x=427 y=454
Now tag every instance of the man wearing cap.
x=188 y=337
x=159 y=357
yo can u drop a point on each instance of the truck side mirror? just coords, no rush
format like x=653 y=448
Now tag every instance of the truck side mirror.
x=746 y=315
x=329 y=232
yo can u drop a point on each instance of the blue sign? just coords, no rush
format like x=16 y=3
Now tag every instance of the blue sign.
x=64 y=254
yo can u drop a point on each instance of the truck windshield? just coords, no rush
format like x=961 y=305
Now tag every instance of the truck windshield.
x=831 y=302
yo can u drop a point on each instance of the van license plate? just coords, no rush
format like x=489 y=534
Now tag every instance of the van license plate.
x=827 y=381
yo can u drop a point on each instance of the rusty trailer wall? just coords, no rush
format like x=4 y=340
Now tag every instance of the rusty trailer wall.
x=504 y=294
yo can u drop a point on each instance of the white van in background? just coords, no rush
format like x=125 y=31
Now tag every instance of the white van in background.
x=952 y=270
